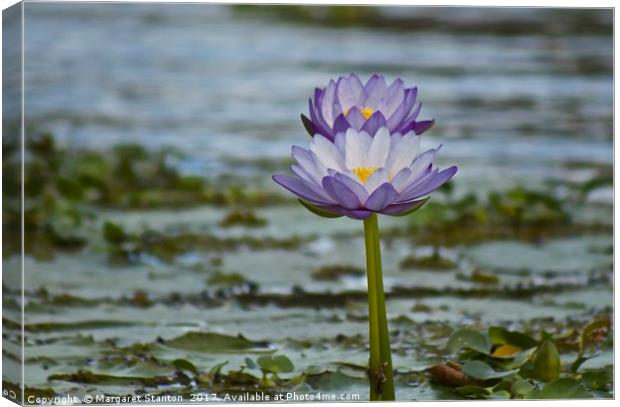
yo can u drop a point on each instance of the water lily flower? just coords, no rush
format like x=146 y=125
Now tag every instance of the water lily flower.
x=364 y=159
x=347 y=103
x=358 y=175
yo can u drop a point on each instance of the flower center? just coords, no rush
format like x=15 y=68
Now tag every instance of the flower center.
x=365 y=111
x=364 y=172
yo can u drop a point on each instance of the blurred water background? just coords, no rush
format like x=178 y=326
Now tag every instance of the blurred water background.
x=513 y=91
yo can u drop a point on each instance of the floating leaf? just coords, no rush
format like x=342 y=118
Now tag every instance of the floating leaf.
x=83 y=376
x=517 y=360
x=501 y=336
x=353 y=370
x=481 y=371
x=590 y=329
x=113 y=233
x=580 y=360
x=473 y=391
x=332 y=381
x=500 y=395
x=506 y=351
x=212 y=343
x=184 y=364
x=599 y=379
x=547 y=364
x=250 y=363
x=275 y=364
x=314 y=370
x=215 y=370
x=227 y=279
x=484 y=278
x=334 y=272
x=564 y=388
x=522 y=388
x=468 y=339
x=432 y=262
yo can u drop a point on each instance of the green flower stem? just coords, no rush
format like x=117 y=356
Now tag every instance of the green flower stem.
x=380 y=363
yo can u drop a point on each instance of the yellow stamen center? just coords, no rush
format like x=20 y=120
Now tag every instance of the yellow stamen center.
x=364 y=172
x=365 y=111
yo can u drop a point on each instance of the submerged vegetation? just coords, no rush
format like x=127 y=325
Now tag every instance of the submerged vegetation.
x=376 y=17
x=518 y=213
x=65 y=187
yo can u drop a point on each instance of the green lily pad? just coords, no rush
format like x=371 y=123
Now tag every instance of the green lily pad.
x=473 y=391
x=481 y=371
x=184 y=364
x=564 y=388
x=500 y=395
x=515 y=361
x=522 y=388
x=249 y=363
x=501 y=336
x=83 y=376
x=468 y=339
x=598 y=379
x=275 y=364
x=547 y=364
x=227 y=279
x=334 y=272
x=589 y=330
x=211 y=342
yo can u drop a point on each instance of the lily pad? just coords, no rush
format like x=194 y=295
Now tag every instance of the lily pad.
x=547 y=364
x=468 y=339
x=473 y=391
x=481 y=371
x=506 y=351
x=184 y=364
x=522 y=388
x=500 y=336
x=275 y=364
x=564 y=388
x=211 y=342
x=334 y=272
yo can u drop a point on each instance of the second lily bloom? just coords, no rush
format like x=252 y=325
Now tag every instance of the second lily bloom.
x=347 y=103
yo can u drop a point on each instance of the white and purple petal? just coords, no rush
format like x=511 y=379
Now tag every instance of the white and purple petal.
x=432 y=183
x=381 y=197
x=399 y=209
x=303 y=189
x=350 y=91
x=374 y=123
x=327 y=153
x=379 y=149
x=341 y=193
x=375 y=90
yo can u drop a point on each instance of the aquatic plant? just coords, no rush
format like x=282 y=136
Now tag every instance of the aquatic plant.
x=361 y=166
x=359 y=175
x=346 y=103
x=503 y=364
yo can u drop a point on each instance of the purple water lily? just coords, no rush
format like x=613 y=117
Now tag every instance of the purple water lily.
x=347 y=103
x=358 y=175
